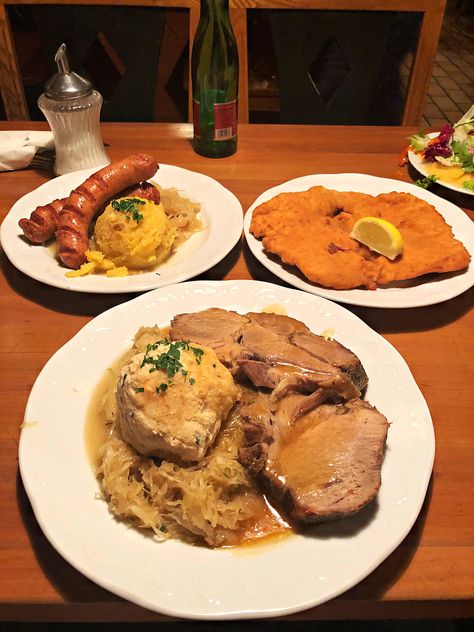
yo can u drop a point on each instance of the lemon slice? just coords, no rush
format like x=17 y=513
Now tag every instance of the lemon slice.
x=379 y=235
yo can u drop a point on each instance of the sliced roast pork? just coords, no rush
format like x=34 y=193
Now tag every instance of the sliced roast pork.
x=323 y=466
x=257 y=425
x=316 y=447
x=280 y=360
x=279 y=324
x=333 y=352
x=330 y=351
x=216 y=328
x=271 y=348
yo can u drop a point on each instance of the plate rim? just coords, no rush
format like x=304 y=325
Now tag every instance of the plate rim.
x=230 y=239
x=383 y=295
x=227 y=614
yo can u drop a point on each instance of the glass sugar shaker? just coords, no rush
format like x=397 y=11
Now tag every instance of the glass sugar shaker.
x=72 y=109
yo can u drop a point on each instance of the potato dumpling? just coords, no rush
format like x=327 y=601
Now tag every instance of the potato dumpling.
x=135 y=233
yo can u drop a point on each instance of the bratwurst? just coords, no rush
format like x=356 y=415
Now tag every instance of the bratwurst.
x=84 y=202
x=42 y=222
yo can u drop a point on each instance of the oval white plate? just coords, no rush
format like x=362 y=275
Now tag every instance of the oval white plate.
x=420 y=165
x=412 y=293
x=189 y=581
x=221 y=214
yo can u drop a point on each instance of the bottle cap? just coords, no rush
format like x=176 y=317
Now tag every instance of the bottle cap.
x=66 y=84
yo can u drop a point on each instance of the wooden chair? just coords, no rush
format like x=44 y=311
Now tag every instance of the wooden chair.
x=432 y=17
x=432 y=10
x=12 y=89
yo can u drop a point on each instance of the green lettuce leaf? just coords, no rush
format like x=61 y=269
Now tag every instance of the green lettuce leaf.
x=418 y=141
x=425 y=183
x=463 y=156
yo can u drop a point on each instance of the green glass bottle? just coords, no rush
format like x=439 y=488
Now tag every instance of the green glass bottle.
x=215 y=79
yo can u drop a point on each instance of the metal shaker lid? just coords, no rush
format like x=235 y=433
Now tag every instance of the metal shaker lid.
x=66 y=84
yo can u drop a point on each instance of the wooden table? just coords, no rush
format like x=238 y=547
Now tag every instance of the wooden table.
x=431 y=573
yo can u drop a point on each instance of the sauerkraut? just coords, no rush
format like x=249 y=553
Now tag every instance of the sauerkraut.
x=182 y=214
x=214 y=501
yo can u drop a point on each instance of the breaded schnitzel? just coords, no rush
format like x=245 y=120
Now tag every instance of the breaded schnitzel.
x=310 y=229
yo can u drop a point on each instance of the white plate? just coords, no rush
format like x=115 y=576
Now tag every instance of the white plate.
x=221 y=214
x=412 y=293
x=421 y=166
x=177 y=579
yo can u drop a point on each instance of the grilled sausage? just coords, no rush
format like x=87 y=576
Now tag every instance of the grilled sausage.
x=84 y=202
x=42 y=222
x=144 y=190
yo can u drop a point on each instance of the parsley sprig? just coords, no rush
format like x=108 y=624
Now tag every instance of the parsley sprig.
x=129 y=207
x=169 y=360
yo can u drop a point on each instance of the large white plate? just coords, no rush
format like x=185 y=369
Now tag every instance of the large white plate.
x=421 y=166
x=189 y=581
x=412 y=293
x=221 y=214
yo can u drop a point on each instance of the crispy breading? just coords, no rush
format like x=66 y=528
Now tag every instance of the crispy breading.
x=310 y=229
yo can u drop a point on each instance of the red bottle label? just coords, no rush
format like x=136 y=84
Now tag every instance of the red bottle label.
x=197 y=118
x=225 y=120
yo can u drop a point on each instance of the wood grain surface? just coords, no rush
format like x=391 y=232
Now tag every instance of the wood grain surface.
x=431 y=573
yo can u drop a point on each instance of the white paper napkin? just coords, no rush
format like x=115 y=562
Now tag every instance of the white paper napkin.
x=17 y=149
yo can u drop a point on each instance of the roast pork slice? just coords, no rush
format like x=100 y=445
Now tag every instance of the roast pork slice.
x=322 y=466
x=325 y=465
x=299 y=334
x=216 y=328
x=284 y=360
x=285 y=379
x=279 y=324
x=333 y=352
x=258 y=429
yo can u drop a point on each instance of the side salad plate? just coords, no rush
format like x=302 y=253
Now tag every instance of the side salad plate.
x=447 y=157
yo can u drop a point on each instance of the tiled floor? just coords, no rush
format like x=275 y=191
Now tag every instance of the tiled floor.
x=451 y=90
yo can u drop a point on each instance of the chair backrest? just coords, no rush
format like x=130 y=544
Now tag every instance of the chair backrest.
x=11 y=86
x=432 y=12
x=432 y=15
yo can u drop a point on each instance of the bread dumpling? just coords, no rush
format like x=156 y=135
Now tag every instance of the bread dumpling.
x=172 y=399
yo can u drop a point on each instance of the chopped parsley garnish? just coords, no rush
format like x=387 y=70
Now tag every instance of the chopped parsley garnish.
x=198 y=353
x=139 y=389
x=129 y=207
x=469 y=184
x=197 y=439
x=425 y=183
x=163 y=529
x=170 y=360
